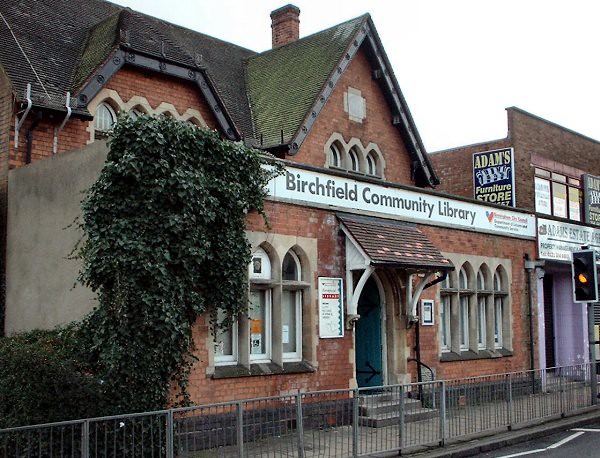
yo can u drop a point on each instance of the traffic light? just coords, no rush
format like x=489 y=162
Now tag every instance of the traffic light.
x=585 y=278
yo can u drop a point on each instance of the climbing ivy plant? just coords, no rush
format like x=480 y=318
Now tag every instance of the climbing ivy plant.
x=164 y=242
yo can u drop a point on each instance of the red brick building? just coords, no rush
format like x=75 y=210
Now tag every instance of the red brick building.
x=550 y=166
x=365 y=268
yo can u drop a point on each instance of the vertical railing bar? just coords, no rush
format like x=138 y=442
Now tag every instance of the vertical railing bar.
x=402 y=419
x=85 y=439
x=443 y=414
x=355 y=422
x=240 y=429
x=510 y=403
x=170 y=434
x=299 y=425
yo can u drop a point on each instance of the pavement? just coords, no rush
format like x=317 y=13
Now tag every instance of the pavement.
x=482 y=444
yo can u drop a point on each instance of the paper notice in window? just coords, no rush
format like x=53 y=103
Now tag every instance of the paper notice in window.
x=285 y=334
x=256 y=326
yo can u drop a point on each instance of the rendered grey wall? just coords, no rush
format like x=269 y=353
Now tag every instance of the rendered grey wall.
x=44 y=199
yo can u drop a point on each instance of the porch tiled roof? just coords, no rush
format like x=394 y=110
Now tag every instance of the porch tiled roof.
x=393 y=243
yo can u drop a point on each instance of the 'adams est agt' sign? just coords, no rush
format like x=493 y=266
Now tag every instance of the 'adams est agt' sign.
x=493 y=176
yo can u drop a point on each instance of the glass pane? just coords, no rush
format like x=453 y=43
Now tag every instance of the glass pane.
x=462 y=279
x=444 y=324
x=288 y=320
x=464 y=322
x=559 y=200
x=481 y=322
x=334 y=156
x=498 y=322
x=542 y=173
x=224 y=343
x=371 y=165
x=574 y=205
x=542 y=196
x=104 y=118
x=480 y=282
x=290 y=268
x=353 y=160
x=497 y=282
x=258 y=324
x=559 y=177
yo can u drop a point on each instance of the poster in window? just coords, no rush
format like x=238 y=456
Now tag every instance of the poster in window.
x=591 y=196
x=542 y=196
x=427 y=312
x=559 y=199
x=331 y=311
x=493 y=176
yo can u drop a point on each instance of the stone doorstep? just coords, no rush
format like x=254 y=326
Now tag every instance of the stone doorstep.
x=390 y=419
x=409 y=405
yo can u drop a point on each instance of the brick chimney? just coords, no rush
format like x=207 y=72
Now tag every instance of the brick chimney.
x=285 y=25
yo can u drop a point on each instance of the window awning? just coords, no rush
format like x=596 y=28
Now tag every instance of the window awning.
x=389 y=243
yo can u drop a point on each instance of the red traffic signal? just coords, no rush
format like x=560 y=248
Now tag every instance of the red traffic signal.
x=585 y=277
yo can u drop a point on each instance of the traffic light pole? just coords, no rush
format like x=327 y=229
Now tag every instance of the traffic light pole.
x=592 y=341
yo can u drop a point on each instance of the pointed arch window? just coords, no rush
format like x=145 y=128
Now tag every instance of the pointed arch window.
x=353 y=160
x=291 y=308
x=104 y=119
x=334 y=156
x=481 y=311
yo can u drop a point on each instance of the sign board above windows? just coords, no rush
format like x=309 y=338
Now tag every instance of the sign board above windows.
x=556 y=240
x=334 y=192
x=591 y=191
x=494 y=176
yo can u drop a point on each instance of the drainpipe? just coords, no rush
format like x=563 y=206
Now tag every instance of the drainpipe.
x=58 y=129
x=418 y=335
x=19 y=122
x=29 y=136
x=529 y=267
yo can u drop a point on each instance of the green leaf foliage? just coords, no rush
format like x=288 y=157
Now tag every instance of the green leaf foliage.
x=164 y=242
x=42 y=379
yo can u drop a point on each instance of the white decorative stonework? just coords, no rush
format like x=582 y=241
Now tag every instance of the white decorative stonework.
x=355 y=105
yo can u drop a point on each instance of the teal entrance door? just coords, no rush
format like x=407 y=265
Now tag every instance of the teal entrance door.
x=368 y=343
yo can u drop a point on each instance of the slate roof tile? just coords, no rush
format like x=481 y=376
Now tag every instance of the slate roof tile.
x=394 y=243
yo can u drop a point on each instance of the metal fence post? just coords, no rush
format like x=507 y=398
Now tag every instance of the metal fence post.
x=170 y=434
x=299 y=425
x=509 y=404
x=85 y=439
x=401 y=419
x=240 y=428
x=443 y=414
x=355 y=423
x=561 y=392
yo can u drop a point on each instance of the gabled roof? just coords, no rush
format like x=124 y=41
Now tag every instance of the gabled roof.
x=57 y=45
x=288 y=87
x=283 y=83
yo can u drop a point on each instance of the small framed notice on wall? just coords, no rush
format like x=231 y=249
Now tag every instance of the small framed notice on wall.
x=427 y=312
x=331 y=308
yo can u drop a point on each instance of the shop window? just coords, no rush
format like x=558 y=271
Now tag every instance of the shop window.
x=557 y=194
x=104 y=120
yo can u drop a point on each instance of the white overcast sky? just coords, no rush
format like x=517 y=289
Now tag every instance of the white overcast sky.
x=459 y=63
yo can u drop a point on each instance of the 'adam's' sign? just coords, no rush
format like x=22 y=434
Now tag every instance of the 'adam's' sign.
x=493 y=176
x=591 y=192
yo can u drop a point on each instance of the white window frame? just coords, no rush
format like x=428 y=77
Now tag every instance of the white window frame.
x=103 y=112
x=463 y=303
x=498 y=311
x=297 y=293
x=224 y=360
x=266 y=356
x=445 y=323
x=334 y=156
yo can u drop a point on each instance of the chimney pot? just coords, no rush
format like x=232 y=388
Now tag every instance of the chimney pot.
x=285 y=25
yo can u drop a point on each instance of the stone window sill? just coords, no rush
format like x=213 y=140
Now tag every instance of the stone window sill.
x=235 y=371
x=472 y=355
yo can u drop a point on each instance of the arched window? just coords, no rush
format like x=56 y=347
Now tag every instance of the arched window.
x=498 y=309
x=335 y=156
x=445 y=315
x=371 y=164
x=291 y=307
x=463 y=284
x=135 y=113
x=259 y=311
x=481 y=311
x=353 y=161
x=104 y=119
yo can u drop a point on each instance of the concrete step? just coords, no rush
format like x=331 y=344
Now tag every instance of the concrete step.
x=389 y=419
x=371 y=407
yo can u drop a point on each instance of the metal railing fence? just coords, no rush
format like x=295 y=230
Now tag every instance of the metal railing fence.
x=336 y=423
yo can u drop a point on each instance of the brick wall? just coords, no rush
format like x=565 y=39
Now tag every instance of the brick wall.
x=335 y=369
x=128 y=82
x=376 y=127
